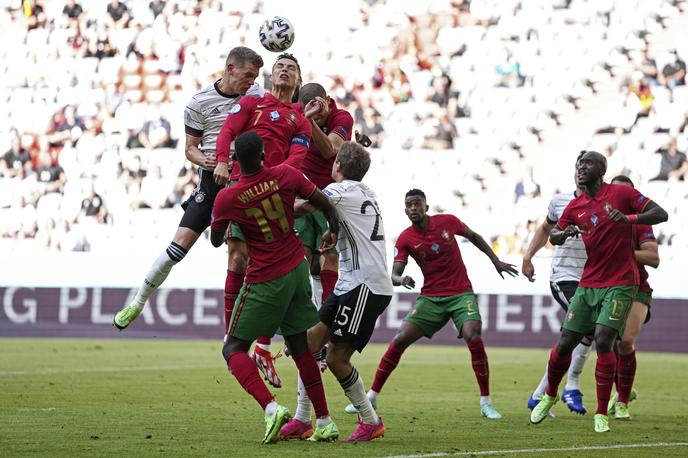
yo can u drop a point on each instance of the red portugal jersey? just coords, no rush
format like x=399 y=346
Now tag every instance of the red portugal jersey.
x=609 y=245
x=437 y=254
x=286 y=133
x=317 y=168
x=643 y=233
x=262 y=204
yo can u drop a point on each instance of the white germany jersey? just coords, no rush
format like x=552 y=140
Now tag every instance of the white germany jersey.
x=361 y=238
x=568 y=259
x=207 y=110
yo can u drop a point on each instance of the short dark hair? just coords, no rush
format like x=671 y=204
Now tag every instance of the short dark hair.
x=598 y=156
x=286 y=55
x=249 y=151
x=580 y=155
x=354 y=161
x=623 y=179
x=310 y=91
x=415 y=192
x=241 y=55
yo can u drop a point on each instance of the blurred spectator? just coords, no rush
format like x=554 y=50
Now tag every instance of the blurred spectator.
x=118 y=15
x=73 y=11
x=34 y=12
x=509 y=71
x=67 y=127
x=674 y=72
x=649 y=67
x=673 y=165
x=526 y=186
x=51 y=175
x=155 y=133
x=157 y=7
x=94 y=206
x=99 y=45
x=16 y=156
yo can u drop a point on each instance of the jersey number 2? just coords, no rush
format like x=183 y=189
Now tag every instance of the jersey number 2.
x=374 y=236
x=272 y=210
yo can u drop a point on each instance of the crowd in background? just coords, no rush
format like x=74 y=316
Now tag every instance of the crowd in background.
x=458 y=97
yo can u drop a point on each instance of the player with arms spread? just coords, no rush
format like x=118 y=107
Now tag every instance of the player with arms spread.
x=203 y=117
x=604 y=215
x=567 y=268
x=646 y=254
x=277 y=292
x=446 y=294
x=286 y=134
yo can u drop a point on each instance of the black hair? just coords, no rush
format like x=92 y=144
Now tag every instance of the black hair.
x=286 y=55
x=249 y=151
x=415 y=192
x=623 y=179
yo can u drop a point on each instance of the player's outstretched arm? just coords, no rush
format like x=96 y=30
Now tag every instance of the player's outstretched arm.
x=399 y=280
x=196 y=156
x=648 y=254
x=539 y=240
x=558 y=236
x=479 y=242
x=302 y=208
x=651 y=215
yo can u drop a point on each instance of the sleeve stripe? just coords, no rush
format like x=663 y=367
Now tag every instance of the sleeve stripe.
x=193 y=132
x=645 y=204
x=197 y=112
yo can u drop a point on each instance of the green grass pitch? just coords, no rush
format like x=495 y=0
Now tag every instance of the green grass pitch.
x=175 y=398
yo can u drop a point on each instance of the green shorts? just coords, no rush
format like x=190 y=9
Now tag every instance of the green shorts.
x=431 y=313
x=606 y=306
x=234 y=231
x=311 y=229
x=280 y=306
x=645 y=298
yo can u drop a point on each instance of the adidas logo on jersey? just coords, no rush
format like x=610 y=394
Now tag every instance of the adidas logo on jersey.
x=338 y=332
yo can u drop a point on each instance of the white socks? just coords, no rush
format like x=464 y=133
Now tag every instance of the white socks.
x=158 y=273
x=271 y=408
x=578 y=359
x=485 y=400
x=542 y=387
x=353 y=388
x=303 y=404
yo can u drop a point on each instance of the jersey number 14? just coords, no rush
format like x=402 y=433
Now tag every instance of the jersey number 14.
x=272 y=210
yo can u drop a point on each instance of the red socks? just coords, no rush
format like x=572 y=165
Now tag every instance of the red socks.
x=625 y=374
x=604 y=375
x=312 y=381
x=387 y=364
x=480 y=367
x=246 y=373
x=328 y=278
x=233 y=284
x=263 y=340
x=556 y=368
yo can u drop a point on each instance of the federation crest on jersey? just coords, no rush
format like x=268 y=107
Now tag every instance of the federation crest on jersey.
x=199 y=197
x=594 y=219
x=235 y=109
x=291 y=119
x=274 y=115
x=570 y=316
x=445 y=235
x=435 y=247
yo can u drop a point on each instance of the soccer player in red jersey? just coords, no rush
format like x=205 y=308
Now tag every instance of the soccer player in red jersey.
x=276 y=293
x=286 y=134
x=646 y=254
x=604 y=215
x=331 y=127
x=447 y=292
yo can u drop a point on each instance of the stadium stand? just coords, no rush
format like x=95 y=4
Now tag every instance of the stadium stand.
x=484 y=104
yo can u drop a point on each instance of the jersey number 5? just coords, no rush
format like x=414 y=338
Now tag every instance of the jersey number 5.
x=272 y=210
x=374 y=236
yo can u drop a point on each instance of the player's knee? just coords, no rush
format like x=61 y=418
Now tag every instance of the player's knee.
x=229 y=348
x=401 y=340
x=626 y=346
x=237 y=261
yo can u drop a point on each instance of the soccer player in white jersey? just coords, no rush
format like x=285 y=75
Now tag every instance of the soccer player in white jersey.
x=203 y=118
x=567 y=268
x=362 y=292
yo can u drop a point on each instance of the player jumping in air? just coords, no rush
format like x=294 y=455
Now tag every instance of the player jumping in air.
x=605 y=216
x=276 y=293
x=446 y=294
x=646 y=254
x=286 y=134
x=567 y=268
x=203 y=116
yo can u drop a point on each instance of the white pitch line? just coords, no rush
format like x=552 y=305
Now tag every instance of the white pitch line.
x=101 y=369
x=544 y=450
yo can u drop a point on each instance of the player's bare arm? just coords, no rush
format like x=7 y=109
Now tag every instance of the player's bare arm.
x=398 y=279
x=321 y=202
x=328 y=145
x=539 y=240
x=653 y=214
x=302 y=208
x=479 y=242
x=648 y=254
x=196 y=156
x=559 y=236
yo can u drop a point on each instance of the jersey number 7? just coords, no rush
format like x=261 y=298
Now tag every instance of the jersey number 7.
x=272 y=210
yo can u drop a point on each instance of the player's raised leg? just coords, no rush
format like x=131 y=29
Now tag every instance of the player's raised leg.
x=183 y=240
